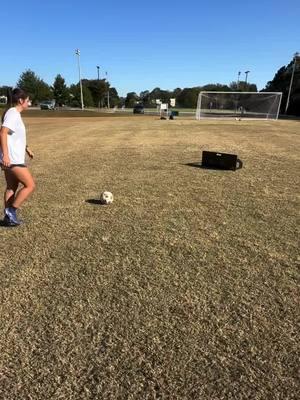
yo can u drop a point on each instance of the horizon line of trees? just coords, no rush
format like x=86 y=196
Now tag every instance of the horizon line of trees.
x=99 y=93
x=96 y=92
x=187 y=97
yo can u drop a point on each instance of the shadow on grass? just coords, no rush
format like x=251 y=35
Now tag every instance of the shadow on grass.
x=194 y=164
x=5 y=225
x=199 y=165
x=94 y=201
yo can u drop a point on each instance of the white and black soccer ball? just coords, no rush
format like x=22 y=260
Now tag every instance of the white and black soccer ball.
x=106 y=197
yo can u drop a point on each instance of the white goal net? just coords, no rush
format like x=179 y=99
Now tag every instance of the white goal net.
x=249 y=105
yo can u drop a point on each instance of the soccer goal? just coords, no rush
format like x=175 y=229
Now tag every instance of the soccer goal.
x=241 y=105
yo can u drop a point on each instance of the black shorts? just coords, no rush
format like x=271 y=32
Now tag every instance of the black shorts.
x=18 y=165
x=14 y=165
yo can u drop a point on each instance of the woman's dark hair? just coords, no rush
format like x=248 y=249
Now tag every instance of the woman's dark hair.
x=13 y=98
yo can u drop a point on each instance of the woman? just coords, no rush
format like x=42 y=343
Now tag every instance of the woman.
x=12 y=157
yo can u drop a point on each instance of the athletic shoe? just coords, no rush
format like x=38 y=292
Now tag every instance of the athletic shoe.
x=11 y=216
x=7 y=222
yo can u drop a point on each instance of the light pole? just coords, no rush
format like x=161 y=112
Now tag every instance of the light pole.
x=246 y=72
x=108 y=105
x=238 y=80
x=77 y=52
x=296 y=58
x=98 y=88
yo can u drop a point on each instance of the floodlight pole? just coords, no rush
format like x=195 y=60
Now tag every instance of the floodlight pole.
x=98 y=81
x=108 y=105
x=246 y=72
x=238 y=80
x=77 y=52
x=296 y=57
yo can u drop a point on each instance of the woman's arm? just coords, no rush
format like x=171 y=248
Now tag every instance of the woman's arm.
x=29 y=152
x=3 y=144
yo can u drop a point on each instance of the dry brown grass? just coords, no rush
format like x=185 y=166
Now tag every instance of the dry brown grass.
x=185 y=288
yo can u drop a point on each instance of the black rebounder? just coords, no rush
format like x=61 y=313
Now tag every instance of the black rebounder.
x=212 y=159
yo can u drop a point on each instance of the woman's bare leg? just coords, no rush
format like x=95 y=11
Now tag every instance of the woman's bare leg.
x=12 y=184
x=23 y=176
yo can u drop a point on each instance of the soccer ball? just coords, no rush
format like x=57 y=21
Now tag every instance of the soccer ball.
x=106 y=197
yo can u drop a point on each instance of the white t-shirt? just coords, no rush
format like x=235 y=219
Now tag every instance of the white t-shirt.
x=16 y=138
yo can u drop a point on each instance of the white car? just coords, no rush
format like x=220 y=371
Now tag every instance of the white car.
x=47 y=105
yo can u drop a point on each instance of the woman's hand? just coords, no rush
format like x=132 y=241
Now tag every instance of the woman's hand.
x=29 y=152
x=5 y=161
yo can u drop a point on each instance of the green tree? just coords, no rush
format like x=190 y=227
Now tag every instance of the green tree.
x=215 y=87
x=188 y=97
x=60 y=90
x=281 y=83
x=176 y=92
x=159 y=94
x=165 y=96
x=243 y=86
x=75 y=96
x=121 y=102
x=113 y=97
x=36 y=88
x=4 y=94
x=98 y=89
x=4 y=90
x=145 y=98
x=131 y=99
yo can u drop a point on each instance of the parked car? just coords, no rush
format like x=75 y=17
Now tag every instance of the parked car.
x=47 y=105
x=138 y=109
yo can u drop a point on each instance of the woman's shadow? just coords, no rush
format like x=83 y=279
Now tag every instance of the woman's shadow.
x=4 y=224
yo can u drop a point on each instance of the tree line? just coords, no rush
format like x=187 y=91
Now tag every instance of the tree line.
x=99 y=93
x=96 y=92
x=187 y=97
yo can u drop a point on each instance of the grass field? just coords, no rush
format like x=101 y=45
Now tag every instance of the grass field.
x=186 y=287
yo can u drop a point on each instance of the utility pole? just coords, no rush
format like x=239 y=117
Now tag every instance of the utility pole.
x=77 y=52
x=296 y=58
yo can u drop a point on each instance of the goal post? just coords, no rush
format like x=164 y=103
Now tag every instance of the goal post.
x=242 y=105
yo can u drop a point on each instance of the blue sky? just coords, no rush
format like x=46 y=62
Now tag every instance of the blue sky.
x=148 y=44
